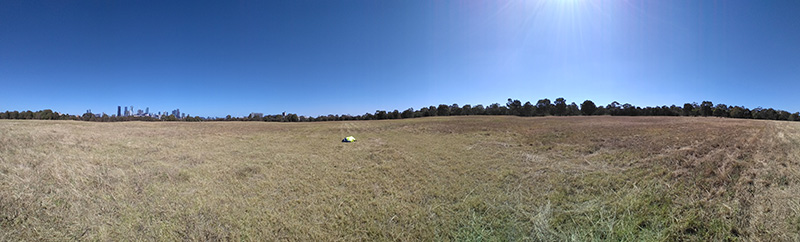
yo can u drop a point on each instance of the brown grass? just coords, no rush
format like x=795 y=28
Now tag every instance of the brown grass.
x=450 y=178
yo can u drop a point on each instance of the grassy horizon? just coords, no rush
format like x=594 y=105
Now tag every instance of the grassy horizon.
x=438 y=178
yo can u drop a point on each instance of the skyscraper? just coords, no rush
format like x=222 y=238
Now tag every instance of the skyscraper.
x=119 y=111
x=126 y=111
x=147 y=110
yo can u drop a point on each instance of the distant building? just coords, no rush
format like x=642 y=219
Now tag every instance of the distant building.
x=126 y=111
x=119 y=111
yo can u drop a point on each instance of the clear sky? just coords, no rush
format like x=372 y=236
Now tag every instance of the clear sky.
x=213 y=58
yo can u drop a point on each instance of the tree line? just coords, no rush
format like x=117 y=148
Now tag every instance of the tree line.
x=543 y=107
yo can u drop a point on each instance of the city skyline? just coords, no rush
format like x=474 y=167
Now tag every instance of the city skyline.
x=124 y=111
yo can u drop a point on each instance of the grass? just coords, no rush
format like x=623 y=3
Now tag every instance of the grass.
x=443 y=178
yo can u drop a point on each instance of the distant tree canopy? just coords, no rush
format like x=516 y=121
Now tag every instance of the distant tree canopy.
x=706 y=108
x=515 y=107
x=688 y=109
x=560 y=106
x=46 y=114
x=543 y=107
x=588 y=107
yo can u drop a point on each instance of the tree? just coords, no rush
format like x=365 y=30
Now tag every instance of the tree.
x=629 y=110
x=794 y=117
x=46 y=114
x=757 y=113
x=761 y=113
x=688 y=109
x=409 y=113
x=455 y=110
x=431 y=111
x=783 y=115
x=479 y=110
x=496 y=109
x=528 y=109
x=601 y=110
x=613 y=108
x=424 y=111
x=588 y=107
x=573 y=110
x=171 y=118
x=515 y=107
x=560 y=106
x=87 y=116
x=467 y=110
x=543 y=107
x=26 y=115
x=771 y=114
x=739 y=112
x=675 y=110
x=367 y=116
x=380 y=114
x=443 y=110
x=671 y=110
x=721 y=110
x=255 y=116
x=705 y=108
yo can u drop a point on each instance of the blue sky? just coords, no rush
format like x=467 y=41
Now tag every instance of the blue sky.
x=213 y=58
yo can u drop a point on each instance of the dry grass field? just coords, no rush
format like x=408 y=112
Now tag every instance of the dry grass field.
x=443 y=178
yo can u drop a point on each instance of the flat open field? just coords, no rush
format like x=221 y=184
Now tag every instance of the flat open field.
x=444 y=178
